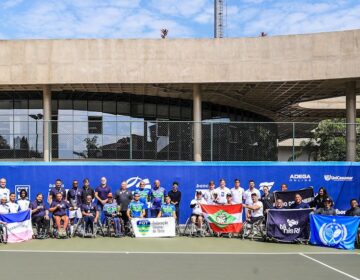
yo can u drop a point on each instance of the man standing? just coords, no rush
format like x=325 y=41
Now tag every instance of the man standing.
x=55 y=190
x=250 y=191
x=136 y=208
x=101 y=193
x=74 y=197
x=229 y=199
x=4 y=191
x=209 y=195
x=237 y=192
x=157 y=198
x=175 y=197
x=267 y=199
x=86 y=190
x=327 y=209
x=145 y=196
x=123 y=197
x=299 y=204
x=221 y=192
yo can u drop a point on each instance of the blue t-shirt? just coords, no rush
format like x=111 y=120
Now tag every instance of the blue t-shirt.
x=301 y=205
x=145 y=195
x=89 y=208
x=54 y=191
x=103 y=192
x=136 y=209
x=74 y=197
x=42 y=208
x=157 y=197
x=110 y=208
x=167 y=210
x=61 y=211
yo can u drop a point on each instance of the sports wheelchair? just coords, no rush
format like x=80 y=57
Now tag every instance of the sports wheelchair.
x=41 y=232
x=109 y=227
x=255 y=229
x=192 y=230
x=3 y=234
x=54 y=231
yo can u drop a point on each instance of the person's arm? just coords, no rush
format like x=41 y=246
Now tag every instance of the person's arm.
x=142 y=213
x=96 y=216
x=174 y=214
x=98 y=198
x=50 y=198
x=54 y=208
x=159 y=214
x=128 y=213
x=47 y=214
x=252 y=207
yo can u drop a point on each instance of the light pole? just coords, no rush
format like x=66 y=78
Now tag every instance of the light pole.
x=36 y=118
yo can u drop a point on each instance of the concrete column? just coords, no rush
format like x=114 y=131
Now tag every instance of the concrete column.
x=197 y=122
x=350 y=120
x=47 y=122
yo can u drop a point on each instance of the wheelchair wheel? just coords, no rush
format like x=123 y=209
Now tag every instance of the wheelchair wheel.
x=4 y=235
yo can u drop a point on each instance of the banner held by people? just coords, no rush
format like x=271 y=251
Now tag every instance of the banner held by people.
x=160 y=227
x=288 y=225
x=334 y=231
x=223 y=218
x=288 y=197
x=18 y=226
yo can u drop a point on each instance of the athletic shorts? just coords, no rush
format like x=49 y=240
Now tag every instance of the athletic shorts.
x=75 y=214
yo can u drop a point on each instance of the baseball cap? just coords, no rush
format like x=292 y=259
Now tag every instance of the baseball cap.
x=327 y=199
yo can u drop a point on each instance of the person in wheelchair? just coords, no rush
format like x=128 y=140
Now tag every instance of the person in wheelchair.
x=40 y=216
x=197 y=217
x=167 y=209
x=112 y=214
x=90 y=214
x=58 y=207
x=256 y=209
x=136 y=208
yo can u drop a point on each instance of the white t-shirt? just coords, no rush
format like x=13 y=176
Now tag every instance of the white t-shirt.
x=14 y=207
x=208 y=195
x=4 y=192
x=248 y=193
x=237 y=195
x=222 y=194
x=4 y=209
x=24 y=204
x=197 y=208
x=259 y=212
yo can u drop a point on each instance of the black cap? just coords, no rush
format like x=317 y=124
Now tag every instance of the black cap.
x=327 y=199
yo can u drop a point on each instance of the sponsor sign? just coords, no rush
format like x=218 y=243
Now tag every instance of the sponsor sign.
x=19 y=188
x=300 y=178
x=288 y=197
x=154 y=227
x=338 y=178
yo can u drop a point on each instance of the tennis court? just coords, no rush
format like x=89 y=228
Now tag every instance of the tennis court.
x=174 y=258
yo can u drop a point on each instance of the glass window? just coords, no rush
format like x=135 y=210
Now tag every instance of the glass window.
x=95 y=105
x=175 y=112
x=35 y=104
x=95 y=125
x=163 y=111
x=137 y=109
x=109 y=125
x=80 y=125
x=150 y=110
x=109 y=107
x=65 y=105
x=123 y=108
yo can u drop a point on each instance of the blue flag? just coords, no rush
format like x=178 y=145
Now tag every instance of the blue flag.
x=334 y=231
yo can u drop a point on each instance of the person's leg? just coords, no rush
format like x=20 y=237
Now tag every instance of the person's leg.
x=66 y=222
x=177 y=211
x=101 y=214
x=146 y=213
x=58 y=222
x=200 y=221
x=117 y=226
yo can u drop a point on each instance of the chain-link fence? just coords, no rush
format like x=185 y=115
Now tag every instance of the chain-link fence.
x=97 y=139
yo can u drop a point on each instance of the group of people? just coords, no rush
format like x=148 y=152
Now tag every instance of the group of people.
x=257 y=205
x=93 y=206
x=101 y=205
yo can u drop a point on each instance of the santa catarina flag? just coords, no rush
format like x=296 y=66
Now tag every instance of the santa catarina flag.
x=223 y=218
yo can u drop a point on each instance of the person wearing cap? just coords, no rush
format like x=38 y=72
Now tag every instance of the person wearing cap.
x=167 y=209
x=112 y=214
x=175 y=197
x=90 y=214
x=197 y=215
x=136 y=208
x=327 y=209
x=229 y=199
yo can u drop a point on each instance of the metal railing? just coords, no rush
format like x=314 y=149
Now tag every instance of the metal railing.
x=174 y=140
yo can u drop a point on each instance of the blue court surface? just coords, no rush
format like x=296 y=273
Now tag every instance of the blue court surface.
x=174 y=258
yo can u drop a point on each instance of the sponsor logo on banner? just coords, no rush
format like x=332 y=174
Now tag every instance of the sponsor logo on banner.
x=135 y=181
x=154 y=227
x=268 y=184
x=338 y=178
x=19 y=188
x=300 y=178
x=289 y=228
x=332 y=233
x=143 y=226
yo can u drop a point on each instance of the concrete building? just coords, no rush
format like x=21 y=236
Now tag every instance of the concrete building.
x=118 y=99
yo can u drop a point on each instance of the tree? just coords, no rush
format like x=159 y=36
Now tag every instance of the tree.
x=328 y=142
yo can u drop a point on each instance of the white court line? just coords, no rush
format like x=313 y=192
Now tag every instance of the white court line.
x=178 y=253
x=328 y=266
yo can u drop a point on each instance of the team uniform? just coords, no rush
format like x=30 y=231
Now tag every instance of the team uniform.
x=208 y=196
x=13 y=207
x=145 y=196
x=221 y=194
x=38 y=217
x=103 y=192
x=54 y=191
x=136 y=208
x=4 y=208
x=237 y=195
x=61 y=211
x=257 y=214
x=195 y=205
x=89 y=208
x=301 y=205
x=4 y=192
x=248 y=193
x=74 y=196
x=157 y=198
x=111 y=213
x=167 y=210
x=85 y=191
x=23 y=204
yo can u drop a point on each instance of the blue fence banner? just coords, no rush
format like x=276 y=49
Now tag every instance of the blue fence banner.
x=342 y=180
x=334 y=231
x=288 y=197
x=288 y=225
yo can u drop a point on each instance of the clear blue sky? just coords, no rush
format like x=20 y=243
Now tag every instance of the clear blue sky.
x=184 y=18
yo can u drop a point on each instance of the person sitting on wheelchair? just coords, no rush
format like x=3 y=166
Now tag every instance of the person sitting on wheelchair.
x=112 y=214
x=167 y=209
x=90 y=214
x=40 y=216
x=256 y=209
x=58 y=207
x=197 y=215
x=136 y=208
